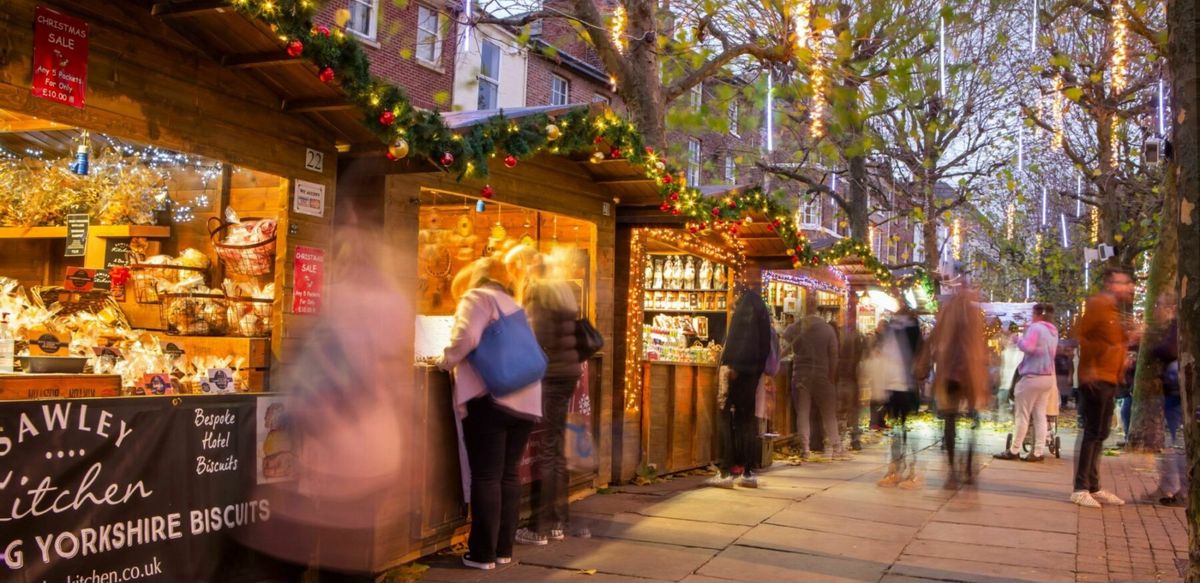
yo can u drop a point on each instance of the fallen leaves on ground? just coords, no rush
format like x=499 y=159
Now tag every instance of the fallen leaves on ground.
x=404 y=573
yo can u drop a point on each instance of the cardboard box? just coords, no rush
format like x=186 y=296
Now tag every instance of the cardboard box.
x=43 y=342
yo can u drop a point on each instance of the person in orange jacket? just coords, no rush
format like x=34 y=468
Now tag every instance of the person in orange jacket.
x=1103 y=342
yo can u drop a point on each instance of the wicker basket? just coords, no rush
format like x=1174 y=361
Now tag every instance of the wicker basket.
x=250 y=317
x=255 y=259
x=148 y=279
x=72 y=302
x=195 y=314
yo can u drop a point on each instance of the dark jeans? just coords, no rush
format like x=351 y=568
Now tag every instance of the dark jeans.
x=1126 y=412
x=1095 y=414
x=1173 y=412
x=739 y=426
x=495 y=439
x=549 y=492
x=959 y=469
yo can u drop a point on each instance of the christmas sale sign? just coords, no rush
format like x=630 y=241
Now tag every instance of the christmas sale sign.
x=60 y=55
x=308 y=280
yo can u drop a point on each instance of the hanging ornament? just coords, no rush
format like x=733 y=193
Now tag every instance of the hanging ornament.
x=82 y=155
x=387 y=118
x=716 y=211
x=398 y=149
x=510 y=161
x=597 y=157
x=664 y=207
x=447 y=159
x=615 y=153
x=667 y=179
x=598 y=139
x=323 y=31
x=732 y=204
x=553 y=133
x=487 y=191
x=295 y=48
x=675 y=210
x=326 y=75
x=791 y=252
x=674 y=196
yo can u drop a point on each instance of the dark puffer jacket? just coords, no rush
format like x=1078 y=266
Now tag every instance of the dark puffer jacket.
x=552 y=312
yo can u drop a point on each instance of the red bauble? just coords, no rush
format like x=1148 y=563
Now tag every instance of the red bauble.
x=387 y=118
x=615 y=153
x=598 y=139
x=510 y=161
x=447 y=159
x=667 y=179
x=649 y=150
x=664 y=207
x=392 y=157
x=732 y=203
x=326 y=75
x=771 y=228
x=295 y=48
x=716 y=211
x=323 y=30
x=674 y=196
x=675 y=210
x=487 y=191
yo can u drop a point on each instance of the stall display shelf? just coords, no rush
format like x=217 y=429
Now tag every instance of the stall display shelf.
x=98 y=231
x=58 y=386
x=679 y=289
x=684 y=311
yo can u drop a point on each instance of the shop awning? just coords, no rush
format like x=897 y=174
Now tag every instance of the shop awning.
x=247 y=47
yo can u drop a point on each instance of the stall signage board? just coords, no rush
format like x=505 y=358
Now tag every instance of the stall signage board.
x=141 y=488
x=309 y=199
x=77 y=235
x=60 y=57
x=308 y=280
x=80 y=279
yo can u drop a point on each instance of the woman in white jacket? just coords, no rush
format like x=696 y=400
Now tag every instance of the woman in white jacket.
x=495 y=429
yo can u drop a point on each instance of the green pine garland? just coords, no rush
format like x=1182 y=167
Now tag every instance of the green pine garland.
x=582 y=132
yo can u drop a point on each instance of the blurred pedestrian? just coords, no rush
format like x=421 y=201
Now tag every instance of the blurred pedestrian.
x=957 y=353
x=1103 y=342
x=747 y=349
x=1172 y=463
x=495 y=428
x=1064 y=371
x=897 y=356
x=1010 y=360
x=814 y=366
x=1037 y=384
x=553 y=312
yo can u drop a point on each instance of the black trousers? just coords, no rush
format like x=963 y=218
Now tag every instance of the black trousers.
x=1096 y=415
x=739 y=427
x=549 y=493
x=959 y=468
x=495 y=439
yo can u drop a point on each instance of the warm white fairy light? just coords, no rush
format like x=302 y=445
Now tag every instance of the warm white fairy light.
x=957 y=239
x=820 y=84
x=1120 y=54
x=617 y=32
x=1095 y=226
x=801 y=26
x=1010 y=220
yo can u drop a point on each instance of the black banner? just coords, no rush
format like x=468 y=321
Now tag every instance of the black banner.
x=138 y=489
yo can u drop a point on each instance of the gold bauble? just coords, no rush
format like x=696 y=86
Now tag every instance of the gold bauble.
x=553 y=133
x=399 y=148
x=597 y=157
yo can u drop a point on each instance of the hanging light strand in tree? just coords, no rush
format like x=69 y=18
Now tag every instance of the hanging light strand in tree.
x=1058 y=112
x=819 y=79
x=1120 y=49
x=617 y=26
x=801 y=25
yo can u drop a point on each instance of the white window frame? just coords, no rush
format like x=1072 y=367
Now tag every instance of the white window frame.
x=810 y=213
x=483 y=79
x=730 y=169
x=373 y=10
x=734 y=130
x=696 y=97
x=424 y=34
x=693 y=161
x=555 y=81
x=600 y=98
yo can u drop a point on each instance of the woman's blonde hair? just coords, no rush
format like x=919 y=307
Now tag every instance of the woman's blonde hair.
x=479 y=272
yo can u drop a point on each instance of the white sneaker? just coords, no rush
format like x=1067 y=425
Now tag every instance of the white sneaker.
x=477 y=564
x=748 y=481
x=1083 y=498
x=1106 y=497
x=503 y=560
x=719 y=481
x=526 y=536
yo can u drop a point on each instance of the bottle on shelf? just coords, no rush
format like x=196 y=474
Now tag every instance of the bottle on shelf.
x=8 y=346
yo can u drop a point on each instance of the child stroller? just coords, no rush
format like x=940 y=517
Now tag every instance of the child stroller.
x=1053 y=441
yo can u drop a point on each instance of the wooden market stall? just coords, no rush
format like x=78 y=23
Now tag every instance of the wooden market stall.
x=436 y=225
x=127 y=130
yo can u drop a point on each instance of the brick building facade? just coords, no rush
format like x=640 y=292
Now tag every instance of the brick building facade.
x=393 y=50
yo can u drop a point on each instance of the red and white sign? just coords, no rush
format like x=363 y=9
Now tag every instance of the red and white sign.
x=308 y=280
x=60 y=57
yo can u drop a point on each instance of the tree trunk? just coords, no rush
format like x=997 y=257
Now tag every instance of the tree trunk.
x=860 y=204
x=1182 y=49
x=1146 y=427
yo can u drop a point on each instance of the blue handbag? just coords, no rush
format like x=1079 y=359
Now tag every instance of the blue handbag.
x=508 y=356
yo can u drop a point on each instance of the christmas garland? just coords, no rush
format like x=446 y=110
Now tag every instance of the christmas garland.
x=409 y=131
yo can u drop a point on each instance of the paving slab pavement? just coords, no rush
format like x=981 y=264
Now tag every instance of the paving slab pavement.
x=829 y=521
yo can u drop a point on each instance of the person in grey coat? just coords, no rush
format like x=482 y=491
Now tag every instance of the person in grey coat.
x=814 y=368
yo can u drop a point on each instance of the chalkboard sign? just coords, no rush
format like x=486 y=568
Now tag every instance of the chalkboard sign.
x=77 y=234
